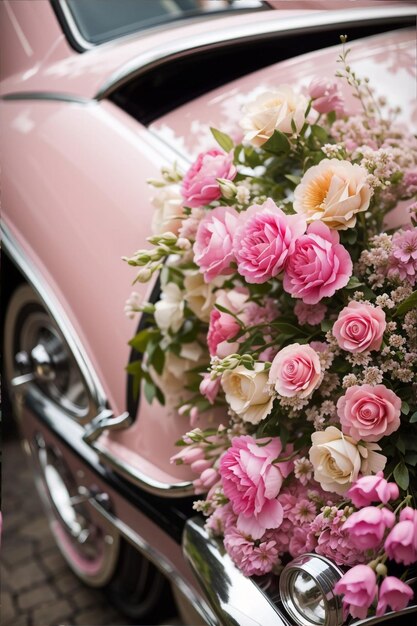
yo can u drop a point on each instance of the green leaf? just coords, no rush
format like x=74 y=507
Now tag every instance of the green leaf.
x=134 y=368
x=288 y=329
x=293 y=179
x=331 y=117
x=400 y=444
x=411 y=458
x=405 y=407
x=413 y=418
x=140 y=341
x=326 y=325
x=320 y=133
x=409 y=303
x=278 y=143
x=401 y=476
x=222 y=139
x=351 y=236
x=150 y=391
x=158 y=360
x=353 y=283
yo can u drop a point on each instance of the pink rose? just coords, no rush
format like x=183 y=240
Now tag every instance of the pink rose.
x=295 y=371
x=359 y=589
x=368 y=489
x=401 y=543
x=223 y=327
x=326 y=96
x=367 y=527
x=252 y=482
x=199 y=186
x=360 y=327
x=213 y=247
x=319 y=265
x=393 y=593
x=368 y=412
x=264 y=238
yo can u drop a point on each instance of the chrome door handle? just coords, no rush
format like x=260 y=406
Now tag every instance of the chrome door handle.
x=105 y=420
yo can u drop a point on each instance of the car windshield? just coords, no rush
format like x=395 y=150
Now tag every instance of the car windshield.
x=103 y=20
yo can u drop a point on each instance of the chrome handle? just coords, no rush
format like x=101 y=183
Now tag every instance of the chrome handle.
x=105 y=421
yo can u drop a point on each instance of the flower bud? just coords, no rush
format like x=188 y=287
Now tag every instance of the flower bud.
x=227 y=187
x=144 y=274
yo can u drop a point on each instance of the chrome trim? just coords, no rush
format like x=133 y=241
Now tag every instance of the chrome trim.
x=105 y=421
x=46 y=95
x=236 y=599
x=243 y=33
x=161 y=562
x=73 y=28
x=371 y=621
x=138 y=478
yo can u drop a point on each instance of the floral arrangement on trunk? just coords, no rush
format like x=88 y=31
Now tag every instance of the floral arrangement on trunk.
x=286 y=333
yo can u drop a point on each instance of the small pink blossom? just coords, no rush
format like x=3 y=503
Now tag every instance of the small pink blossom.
x=393 y=593
x=252 y=559
x=309 y=314
x=252 y=482
x=303 y=470
x=326 y=96
x=319 y=265
x=213 y=247
x=359 y=589
x=209 y=388
x=369 y=412
x=367 y=527
x=264 y=238
x=403 y=259
x=368 y=489
x=208 y=478
x=328 y=538
x=200 y=186
x=222 y=519
x=360 y=327
x=304 y=511
x=223 y=326
x=298 y=542
x=401 y=543
x=295 y=371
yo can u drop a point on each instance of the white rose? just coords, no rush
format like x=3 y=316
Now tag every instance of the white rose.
x=334 y=192
x=338 y=459
x=172 y=381
x=169 y=310
x=200 y=295
x=274 y=110
x=246 y=392
x=168 y=205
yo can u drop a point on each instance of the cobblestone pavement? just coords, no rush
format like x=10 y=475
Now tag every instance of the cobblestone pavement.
x=37 y=587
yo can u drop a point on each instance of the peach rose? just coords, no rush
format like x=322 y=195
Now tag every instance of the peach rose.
x=295 y=371
x=360 y=327
x=334 y=192
x=338 y=459
x=273 y=110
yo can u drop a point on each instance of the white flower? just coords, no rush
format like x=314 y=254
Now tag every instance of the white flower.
x=246 y=392
x=168 y=205
x=338 y=459
x=169 y=311
x=200 y=295
x=172 y=381
x=132 y=305
x=277 y=109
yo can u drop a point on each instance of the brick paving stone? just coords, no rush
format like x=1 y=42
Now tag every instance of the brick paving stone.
x=86 y=598
x=36 y=596
x=25 y=576
x=54 y=562
x=94 y=617
x=13 y=554
x=22 y=620
x=8 y=611
x=66 y=582
x=52 y=614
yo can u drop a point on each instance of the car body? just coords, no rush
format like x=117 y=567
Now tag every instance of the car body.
x=83 y=128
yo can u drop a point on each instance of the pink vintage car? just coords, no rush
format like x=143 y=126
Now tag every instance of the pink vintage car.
x=95 y=98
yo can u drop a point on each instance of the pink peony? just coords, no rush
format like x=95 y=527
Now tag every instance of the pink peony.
x=295 y=371
x=253 y=559
x=368 y=412
x=393 y=593
x=326 y=96
x=252 y=482
x=401 y=543
x=367 y=527
x=209 y=388
x=223 y=326
x=199 y=186
x=358 y=587
x=264 y=238
x=308 y=314
x=368 y=489
x=319 y=265
x=213 y=249
x=360 y=327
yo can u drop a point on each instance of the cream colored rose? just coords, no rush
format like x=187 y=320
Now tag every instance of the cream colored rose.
x=168 y=205
x=334 y=192
x=274 y=110
x=169 y=310
x=246 y=392
x=200 y=296
x=338 y=459
x=172 y=381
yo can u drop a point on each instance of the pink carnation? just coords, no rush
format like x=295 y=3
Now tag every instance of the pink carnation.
x=368 y=412
x=393 y=593
x=368 y=489
x=401 y=543
x=264 y=238
x=252 y=482
x=253 y=559
x=360 y=327
x=319 y=265
x=295 y=371
x=308 y=314
x=326 y=96
x=367 y=527
x=359 y=589
x=213 y=249
x=328 y=538
x=199 y=186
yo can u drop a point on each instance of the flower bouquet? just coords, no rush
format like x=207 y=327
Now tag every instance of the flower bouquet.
x=286 y=333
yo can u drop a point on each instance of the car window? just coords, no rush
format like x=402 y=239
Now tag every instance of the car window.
x=103 y=20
